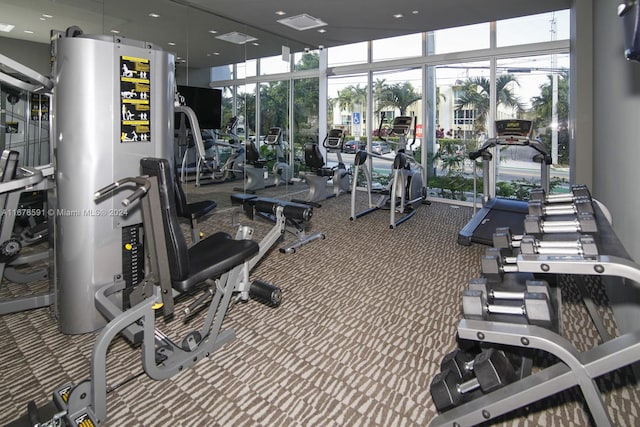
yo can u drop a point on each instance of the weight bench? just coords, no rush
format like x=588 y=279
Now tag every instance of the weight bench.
x=287 y=216
x=217 y=265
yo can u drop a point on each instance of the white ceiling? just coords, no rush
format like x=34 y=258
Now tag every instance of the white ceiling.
x=187 y=23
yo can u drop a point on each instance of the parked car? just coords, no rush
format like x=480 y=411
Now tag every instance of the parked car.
x=380 y=147
x=353 y=146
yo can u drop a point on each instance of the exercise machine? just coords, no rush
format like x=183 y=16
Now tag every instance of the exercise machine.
x=15 y=182
x=209 y=169
x=319 y=175
x=405 y=192
x=256 y=172
x=282 y=172
x=501 y=212
x=194 y=139
x=214 y=272
x=293 y=219
x=233 y=166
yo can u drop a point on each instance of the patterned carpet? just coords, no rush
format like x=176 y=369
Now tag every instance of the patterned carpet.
x=368 y=314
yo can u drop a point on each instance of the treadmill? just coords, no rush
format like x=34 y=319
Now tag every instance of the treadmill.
x=501 y=212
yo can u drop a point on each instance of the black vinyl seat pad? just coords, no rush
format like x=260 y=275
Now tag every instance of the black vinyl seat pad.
x=213 y=256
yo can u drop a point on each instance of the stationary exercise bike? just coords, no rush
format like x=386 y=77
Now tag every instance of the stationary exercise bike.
x=256 y=172
x=319 y=175
x=406 y=191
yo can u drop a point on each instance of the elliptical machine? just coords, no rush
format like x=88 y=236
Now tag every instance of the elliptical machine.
x=319 y=175
x=406 y=191
x=233 y=166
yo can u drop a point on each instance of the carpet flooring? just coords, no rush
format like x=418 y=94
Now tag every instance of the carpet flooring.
x=368 y=314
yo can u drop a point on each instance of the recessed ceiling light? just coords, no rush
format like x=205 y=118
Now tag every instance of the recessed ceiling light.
x=171 y=44
x=6 y=28
x=322 y=30
x=154 y=15
x=28 y=31
x=115 y=31
x=213 y=31
x=415 y=12
x=42 y=19
x=281 y=13
x=216 y=53
x=398 y=15
x=255 y=44
x=44 y=15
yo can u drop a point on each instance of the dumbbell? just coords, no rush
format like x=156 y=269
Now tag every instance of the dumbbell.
x=583 y=223
x=495 y=264
x=539 y=208
x=490 y=294
x=577 y=191
x=584 y=246
x=535 y=307
x=460 y=362
x=492 y=371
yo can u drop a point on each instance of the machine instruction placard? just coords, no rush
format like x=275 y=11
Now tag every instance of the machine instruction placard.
x=135 y=99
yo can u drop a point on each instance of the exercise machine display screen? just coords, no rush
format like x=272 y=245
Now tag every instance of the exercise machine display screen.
x=402 y=124
x=514 y=127
x=273 y=137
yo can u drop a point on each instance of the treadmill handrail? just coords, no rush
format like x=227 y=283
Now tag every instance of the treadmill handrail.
x=511 y=140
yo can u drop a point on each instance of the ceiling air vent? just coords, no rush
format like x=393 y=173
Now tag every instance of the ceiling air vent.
x=236 y=37
x=6 y=28
x=302 y=22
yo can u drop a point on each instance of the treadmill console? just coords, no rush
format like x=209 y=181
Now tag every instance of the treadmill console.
x=514 y=127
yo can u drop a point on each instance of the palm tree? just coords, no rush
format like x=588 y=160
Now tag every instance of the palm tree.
x=351 y=96
x=542 y=105
x=398 y=95
x=474 y=93
x=379 y=88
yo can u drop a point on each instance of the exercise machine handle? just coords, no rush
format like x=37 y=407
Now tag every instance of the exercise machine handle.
x=142 y=187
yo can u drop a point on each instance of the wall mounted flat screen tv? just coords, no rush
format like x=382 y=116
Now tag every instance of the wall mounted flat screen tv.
x=206 y=103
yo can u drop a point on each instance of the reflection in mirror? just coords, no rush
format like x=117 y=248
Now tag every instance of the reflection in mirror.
x=347 y=96
x=25 y=119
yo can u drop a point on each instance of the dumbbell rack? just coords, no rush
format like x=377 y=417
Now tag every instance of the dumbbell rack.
x=574 y=368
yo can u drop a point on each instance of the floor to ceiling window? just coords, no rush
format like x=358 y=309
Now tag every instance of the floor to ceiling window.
x=448 y=73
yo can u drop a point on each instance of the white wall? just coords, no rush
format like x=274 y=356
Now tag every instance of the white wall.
x=616 y=126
